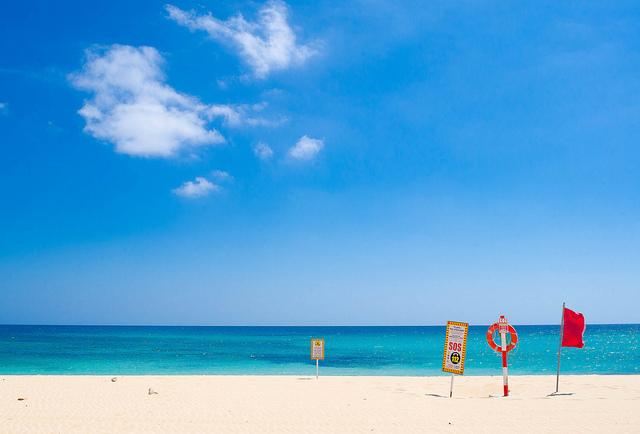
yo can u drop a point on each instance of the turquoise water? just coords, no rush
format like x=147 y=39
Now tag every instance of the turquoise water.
x=114 y=350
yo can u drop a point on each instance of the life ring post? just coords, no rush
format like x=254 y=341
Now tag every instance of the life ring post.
x=503 y=324
x=503 y=328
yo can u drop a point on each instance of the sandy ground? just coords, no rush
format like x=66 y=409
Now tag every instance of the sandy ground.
x=85 y=404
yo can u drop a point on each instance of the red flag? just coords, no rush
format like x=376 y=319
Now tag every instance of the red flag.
x=572 y=333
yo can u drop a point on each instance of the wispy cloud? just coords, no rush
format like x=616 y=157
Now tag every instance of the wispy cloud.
x=52 y=127
x=263 y=151
x=3 y=108
x=236 y=116
x=221 y=176
x=198 y=188
x=306 y=149
x=266 y=45
x=133 y=108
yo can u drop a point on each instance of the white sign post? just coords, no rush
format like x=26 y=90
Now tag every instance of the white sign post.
x=503 y=328
x=455 y=348
x=317 y=352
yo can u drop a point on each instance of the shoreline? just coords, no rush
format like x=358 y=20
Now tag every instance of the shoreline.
x=270 y=403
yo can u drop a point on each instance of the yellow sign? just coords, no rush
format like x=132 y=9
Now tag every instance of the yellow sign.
x=317 y=349
x=455 y=347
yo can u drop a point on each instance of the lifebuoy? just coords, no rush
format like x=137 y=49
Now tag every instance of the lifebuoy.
x=496 y=347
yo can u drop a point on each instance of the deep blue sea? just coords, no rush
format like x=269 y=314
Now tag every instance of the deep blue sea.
x=415 y=351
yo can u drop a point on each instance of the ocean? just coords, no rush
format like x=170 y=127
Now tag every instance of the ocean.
x=413 y=351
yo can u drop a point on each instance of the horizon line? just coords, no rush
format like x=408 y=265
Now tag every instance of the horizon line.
x=238 y=326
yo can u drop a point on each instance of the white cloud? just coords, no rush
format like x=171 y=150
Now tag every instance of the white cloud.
x=266 y=45
x=222 y=84
x=306 y=148
x=236 y=116
x=133 y=108
x=262 y=151
x=221 y=175
x=233 y=116
x=3 y=108
x=260 y=107
x=201 y=187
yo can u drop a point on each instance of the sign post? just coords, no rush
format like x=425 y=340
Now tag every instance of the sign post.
x=455 y=348
x=503 y=327
x=317 y=352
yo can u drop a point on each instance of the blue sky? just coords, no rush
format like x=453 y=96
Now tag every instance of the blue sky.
x=318 y=163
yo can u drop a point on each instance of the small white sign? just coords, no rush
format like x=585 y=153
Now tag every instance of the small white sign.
x=503 y=325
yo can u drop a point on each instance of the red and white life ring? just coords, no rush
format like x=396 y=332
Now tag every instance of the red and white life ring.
x=498 y=347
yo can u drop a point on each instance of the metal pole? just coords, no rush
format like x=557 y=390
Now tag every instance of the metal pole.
x=451 y=388
x=560 y=348
x=317 y=367
x=505 y=377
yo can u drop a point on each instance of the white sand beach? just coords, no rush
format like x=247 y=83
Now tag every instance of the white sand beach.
x=86 y=404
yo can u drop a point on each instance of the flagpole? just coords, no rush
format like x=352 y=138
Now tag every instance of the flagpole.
x=560 y=348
